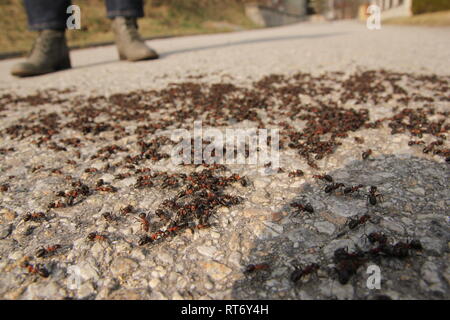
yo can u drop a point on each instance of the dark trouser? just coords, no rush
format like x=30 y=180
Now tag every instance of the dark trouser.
x=51 y=14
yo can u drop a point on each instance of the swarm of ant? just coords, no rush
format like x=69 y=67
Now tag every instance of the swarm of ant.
x=199 y=195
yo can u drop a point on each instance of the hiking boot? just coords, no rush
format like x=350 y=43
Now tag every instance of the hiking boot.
x=49 y=54
x=129 y=44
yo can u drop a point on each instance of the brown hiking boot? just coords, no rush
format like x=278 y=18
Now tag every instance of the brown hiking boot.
x=129 y=44
x=49 y=54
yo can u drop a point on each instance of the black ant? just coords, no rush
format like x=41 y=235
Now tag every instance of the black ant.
x=356 y=222
x=325 y=177
x=296 y=173
x=347 y=264
x=373 y=195
x=366 y=154
x=298 y=273
x=333 y=186
x=47 y=251
x=128 y=209
x=377 y=237
x=352 y=189
x=144 y=222
x=37 y=269
x=108 y=216
x=144 y=240
x=35 y=216
x=254 y=267
x=95 y=236
x=300 y=207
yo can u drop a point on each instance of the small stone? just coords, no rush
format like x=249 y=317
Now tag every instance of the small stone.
x=207 y=251
x=153 y=283
x=325 y=227
x=277 y=216
x=86 y=290
x=87 y=271
x=261 y=183
x=260 y=197
x=165 y=257
x=8 y=214
x=418 y=190
x=274 y=228
x=235 y=258
x=122 y=266
x=177 y=296
x=5 y=231
x=430 y=274
x=129 y=294
x=215 y=270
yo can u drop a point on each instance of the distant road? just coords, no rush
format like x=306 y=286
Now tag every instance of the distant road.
x=247 y=55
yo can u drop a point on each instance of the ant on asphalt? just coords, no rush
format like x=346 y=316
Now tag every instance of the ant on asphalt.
x=353 y=189
x=353 y=223
x=324 y=177
x=36 y=269
x=333 y=186
x=373 y=196
x=298 y=273
x=44 y=252
x=300 y=208
x=254 y=267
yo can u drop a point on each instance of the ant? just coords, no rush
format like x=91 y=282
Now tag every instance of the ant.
x=128 y=209
x=356 y=222
x=373 y=195
x=95 y=236
x=415 y=142
x=366 y=154
x=347 y=263
x=144 y=240
x=325 y=177
x=333 y=186
x=144 y=222
x=296 y=173
x=298 y=273
x=377 y=237
x=300 y=207
x=359 y=140
x=56 y=204
x=108 y=216
x=352 y=189
x=37 y=269
x=106 y=189
x=35 y=216
x=254 y=267
x=47 y=251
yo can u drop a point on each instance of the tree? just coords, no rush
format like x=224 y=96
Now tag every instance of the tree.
x=319 y=6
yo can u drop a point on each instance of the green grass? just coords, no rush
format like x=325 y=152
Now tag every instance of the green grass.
x=162 y=18
x=435 y=19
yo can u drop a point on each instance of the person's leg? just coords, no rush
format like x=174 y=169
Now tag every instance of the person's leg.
x=47 y=14
x=125 y=8
x=124 y=14
x=50 y=52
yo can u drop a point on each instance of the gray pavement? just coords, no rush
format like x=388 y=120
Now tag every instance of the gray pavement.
x=331 y=109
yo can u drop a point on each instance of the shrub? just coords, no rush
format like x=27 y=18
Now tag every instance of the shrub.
x=424 y=6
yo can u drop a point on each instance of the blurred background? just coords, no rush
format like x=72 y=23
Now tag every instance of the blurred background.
x=183 y=17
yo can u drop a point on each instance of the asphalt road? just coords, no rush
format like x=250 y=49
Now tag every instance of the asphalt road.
x=340 y=46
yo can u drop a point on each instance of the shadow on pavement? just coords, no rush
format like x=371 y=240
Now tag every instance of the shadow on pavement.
x=416 y=201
